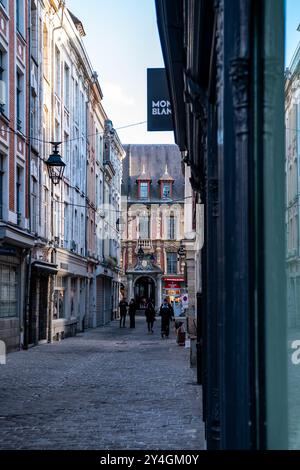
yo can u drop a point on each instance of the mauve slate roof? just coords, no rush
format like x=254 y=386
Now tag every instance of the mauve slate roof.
x=154 y=157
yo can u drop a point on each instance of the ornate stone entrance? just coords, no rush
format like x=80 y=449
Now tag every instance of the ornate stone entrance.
x=144 y=289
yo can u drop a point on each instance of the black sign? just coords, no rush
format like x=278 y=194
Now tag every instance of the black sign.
x=8 y=251
x=158 y=101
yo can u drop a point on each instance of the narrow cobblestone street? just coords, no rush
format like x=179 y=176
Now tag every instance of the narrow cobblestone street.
x=108 y=388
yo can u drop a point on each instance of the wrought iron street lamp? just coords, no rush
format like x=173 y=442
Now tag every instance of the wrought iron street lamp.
x=55 y=165
x=181 y=252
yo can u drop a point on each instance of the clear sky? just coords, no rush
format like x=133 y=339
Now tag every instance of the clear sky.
x=292 y=22
x=122 y=42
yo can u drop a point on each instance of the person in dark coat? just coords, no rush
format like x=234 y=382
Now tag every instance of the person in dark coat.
x=123 y=311
x=150 y=316
x=132 y=311
x=166 y=312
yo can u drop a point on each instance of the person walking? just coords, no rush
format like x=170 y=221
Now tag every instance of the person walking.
x=123 y=311
x=166 y=312
x=150 y=315
x=132 y=312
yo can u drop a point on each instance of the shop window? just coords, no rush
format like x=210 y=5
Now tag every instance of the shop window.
x=8 y=291
x=59 y=304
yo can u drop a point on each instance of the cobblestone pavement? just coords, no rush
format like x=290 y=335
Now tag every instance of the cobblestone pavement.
x=108 y=388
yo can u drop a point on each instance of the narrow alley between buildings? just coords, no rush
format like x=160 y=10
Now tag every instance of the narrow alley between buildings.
x=107 y=388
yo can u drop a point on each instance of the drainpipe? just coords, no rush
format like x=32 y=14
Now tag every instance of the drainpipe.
x=29 y=256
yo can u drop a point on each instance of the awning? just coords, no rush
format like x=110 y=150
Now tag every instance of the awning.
x=50 y=268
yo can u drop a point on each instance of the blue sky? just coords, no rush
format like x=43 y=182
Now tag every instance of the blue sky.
x=122 y=41
x=292 y=21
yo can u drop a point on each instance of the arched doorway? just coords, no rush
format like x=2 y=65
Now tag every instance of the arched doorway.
x=144 y=289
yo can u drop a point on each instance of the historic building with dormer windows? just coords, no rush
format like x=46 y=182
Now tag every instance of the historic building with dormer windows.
x=153 y=196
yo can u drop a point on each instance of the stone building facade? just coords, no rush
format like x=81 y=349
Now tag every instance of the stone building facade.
x=60 y=229
x=292 y=115
x=153 y=195
x=16 y=239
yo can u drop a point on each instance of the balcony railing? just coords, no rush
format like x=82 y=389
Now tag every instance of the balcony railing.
x=145 y=244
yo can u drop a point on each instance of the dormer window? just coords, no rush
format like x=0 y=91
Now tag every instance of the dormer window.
x=144 y=190
x=143 y=182
x=166 y=190
x=166 y=185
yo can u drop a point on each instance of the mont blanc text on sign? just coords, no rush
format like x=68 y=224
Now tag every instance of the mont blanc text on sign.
x=158 y=101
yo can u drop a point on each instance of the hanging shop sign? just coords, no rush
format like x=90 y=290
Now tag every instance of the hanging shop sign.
x=159 y=110
x=185 y=300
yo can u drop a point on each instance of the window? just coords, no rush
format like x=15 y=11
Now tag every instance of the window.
x=20 y=16
x=82 y=227
x=57 y=217
x=34 y=116
x=66 y=86
x=4 y=79
x=77 y=109
x=8 y=291
x=57 y=72
x=76 y=228
x=66 y=155
x=101 y=149
x=83 y=111
x=97 y=190
x=34 y=30
x=172 y=263
x=144 y=190
x=20 y=100
x=19 y=190
x=34 y=208
x=46 y=52
x=171 y=227
x=2 y=182
x=166 y=190
x=59 y=304
x=46 y=199
x=77 y=166
x=144 y=226
x=66 y=223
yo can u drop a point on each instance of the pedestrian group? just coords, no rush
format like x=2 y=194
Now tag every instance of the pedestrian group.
x=166 y=313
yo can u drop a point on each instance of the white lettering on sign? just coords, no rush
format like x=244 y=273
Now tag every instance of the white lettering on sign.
x=161 y=108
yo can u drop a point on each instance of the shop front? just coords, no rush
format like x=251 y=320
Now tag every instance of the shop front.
x=174 y=288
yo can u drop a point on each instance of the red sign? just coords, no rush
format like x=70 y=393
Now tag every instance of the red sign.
x=173 y=279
